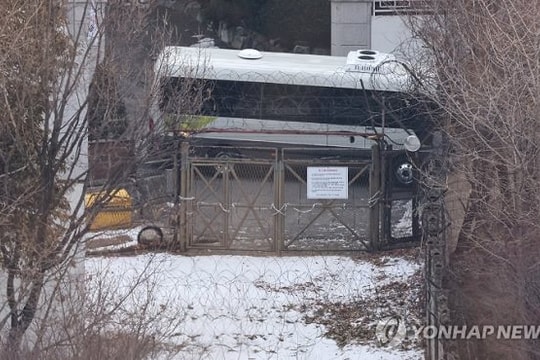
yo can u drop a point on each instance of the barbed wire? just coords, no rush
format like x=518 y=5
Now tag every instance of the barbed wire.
x=282 y=210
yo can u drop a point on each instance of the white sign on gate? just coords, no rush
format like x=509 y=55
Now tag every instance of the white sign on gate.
x=329 y=182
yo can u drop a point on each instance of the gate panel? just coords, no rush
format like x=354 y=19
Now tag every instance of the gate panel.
x=252 y=220
x=231 y=198
x=207 y=211
x=325 y=224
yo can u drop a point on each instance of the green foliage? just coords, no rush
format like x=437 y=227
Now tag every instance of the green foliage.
x=187 y=122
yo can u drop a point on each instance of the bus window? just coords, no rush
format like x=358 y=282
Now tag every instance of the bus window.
x=282 y=87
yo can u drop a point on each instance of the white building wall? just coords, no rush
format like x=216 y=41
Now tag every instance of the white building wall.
x=355 y=25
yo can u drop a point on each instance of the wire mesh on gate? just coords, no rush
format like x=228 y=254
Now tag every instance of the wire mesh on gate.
x=257 y=199
x=315 y=219
x=232 y=191
x=263 y=199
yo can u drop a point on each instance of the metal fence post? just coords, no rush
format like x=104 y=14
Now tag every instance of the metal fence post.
x=434 y=239
x=374 y=196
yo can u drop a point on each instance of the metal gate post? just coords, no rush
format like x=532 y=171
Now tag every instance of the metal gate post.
x=227 y=166
x=184 y=188
x=374 y=197
x=279 y=188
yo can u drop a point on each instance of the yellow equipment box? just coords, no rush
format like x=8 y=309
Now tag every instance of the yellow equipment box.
x=116 y=212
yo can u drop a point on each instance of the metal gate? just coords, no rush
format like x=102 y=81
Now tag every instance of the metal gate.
x=229 y=200
x=257 y=199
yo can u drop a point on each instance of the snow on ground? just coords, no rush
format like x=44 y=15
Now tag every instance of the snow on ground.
x=113 y=239
x=243 y=307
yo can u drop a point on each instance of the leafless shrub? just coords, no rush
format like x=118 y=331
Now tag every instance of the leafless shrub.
x=48 y=56
x=95 y=317
x=484 y=73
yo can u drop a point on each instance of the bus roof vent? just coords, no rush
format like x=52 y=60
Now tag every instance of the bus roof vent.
x=367 y=61
x=250 y=54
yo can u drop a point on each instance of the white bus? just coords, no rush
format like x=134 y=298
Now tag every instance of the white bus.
x=249 y=97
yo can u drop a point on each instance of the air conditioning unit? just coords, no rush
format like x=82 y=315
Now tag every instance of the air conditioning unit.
x=368 y=61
